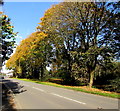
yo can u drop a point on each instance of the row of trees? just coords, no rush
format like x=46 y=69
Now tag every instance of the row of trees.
x=76 y=40
x=31 y=56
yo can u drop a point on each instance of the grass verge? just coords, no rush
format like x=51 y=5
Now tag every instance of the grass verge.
x=85 y=89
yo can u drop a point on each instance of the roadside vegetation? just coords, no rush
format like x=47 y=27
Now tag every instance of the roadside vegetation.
x=79 y=43
x=85 y=89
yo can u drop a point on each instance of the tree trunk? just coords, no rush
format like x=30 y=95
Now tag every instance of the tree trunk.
x=42 y=72
x=91 y=78
x=91 y=71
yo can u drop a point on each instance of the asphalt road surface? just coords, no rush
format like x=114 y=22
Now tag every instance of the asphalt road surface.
x=29 y=95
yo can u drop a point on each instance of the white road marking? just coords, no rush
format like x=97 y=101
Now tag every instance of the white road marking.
x=68 y=98
x=38 y=89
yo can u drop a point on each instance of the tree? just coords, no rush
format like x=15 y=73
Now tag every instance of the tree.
x=1 y=2
x=31 y=56
x=87 y=31
x=7 y=40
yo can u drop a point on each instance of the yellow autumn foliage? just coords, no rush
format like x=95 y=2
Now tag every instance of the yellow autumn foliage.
x=25 y=48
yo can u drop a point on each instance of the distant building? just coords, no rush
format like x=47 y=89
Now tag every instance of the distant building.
x=9 y=74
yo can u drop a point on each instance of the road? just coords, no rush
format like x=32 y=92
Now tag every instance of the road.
x=29 y=95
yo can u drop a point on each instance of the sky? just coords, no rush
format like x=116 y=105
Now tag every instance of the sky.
x=25 y=17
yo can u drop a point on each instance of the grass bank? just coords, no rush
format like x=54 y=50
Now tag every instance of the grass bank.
x=85 y=89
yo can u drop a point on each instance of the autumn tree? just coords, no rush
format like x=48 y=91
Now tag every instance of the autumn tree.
x=87 y=31
x=31 y=57
x=41 y=53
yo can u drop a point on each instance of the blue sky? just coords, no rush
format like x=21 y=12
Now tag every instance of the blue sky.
x=25 y=16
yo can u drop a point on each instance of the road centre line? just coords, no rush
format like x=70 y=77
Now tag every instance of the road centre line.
x=38 y=89
x=61 y=96
x=68 y=98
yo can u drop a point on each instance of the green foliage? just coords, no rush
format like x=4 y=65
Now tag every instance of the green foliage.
x=115 y=85
x=108 y=77
x=85 y=29
x=7 y=40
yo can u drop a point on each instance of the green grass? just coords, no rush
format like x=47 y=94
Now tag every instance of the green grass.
x=86 y=90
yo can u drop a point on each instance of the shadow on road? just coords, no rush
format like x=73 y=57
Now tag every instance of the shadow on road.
x=14 y=86
x=8 y=89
